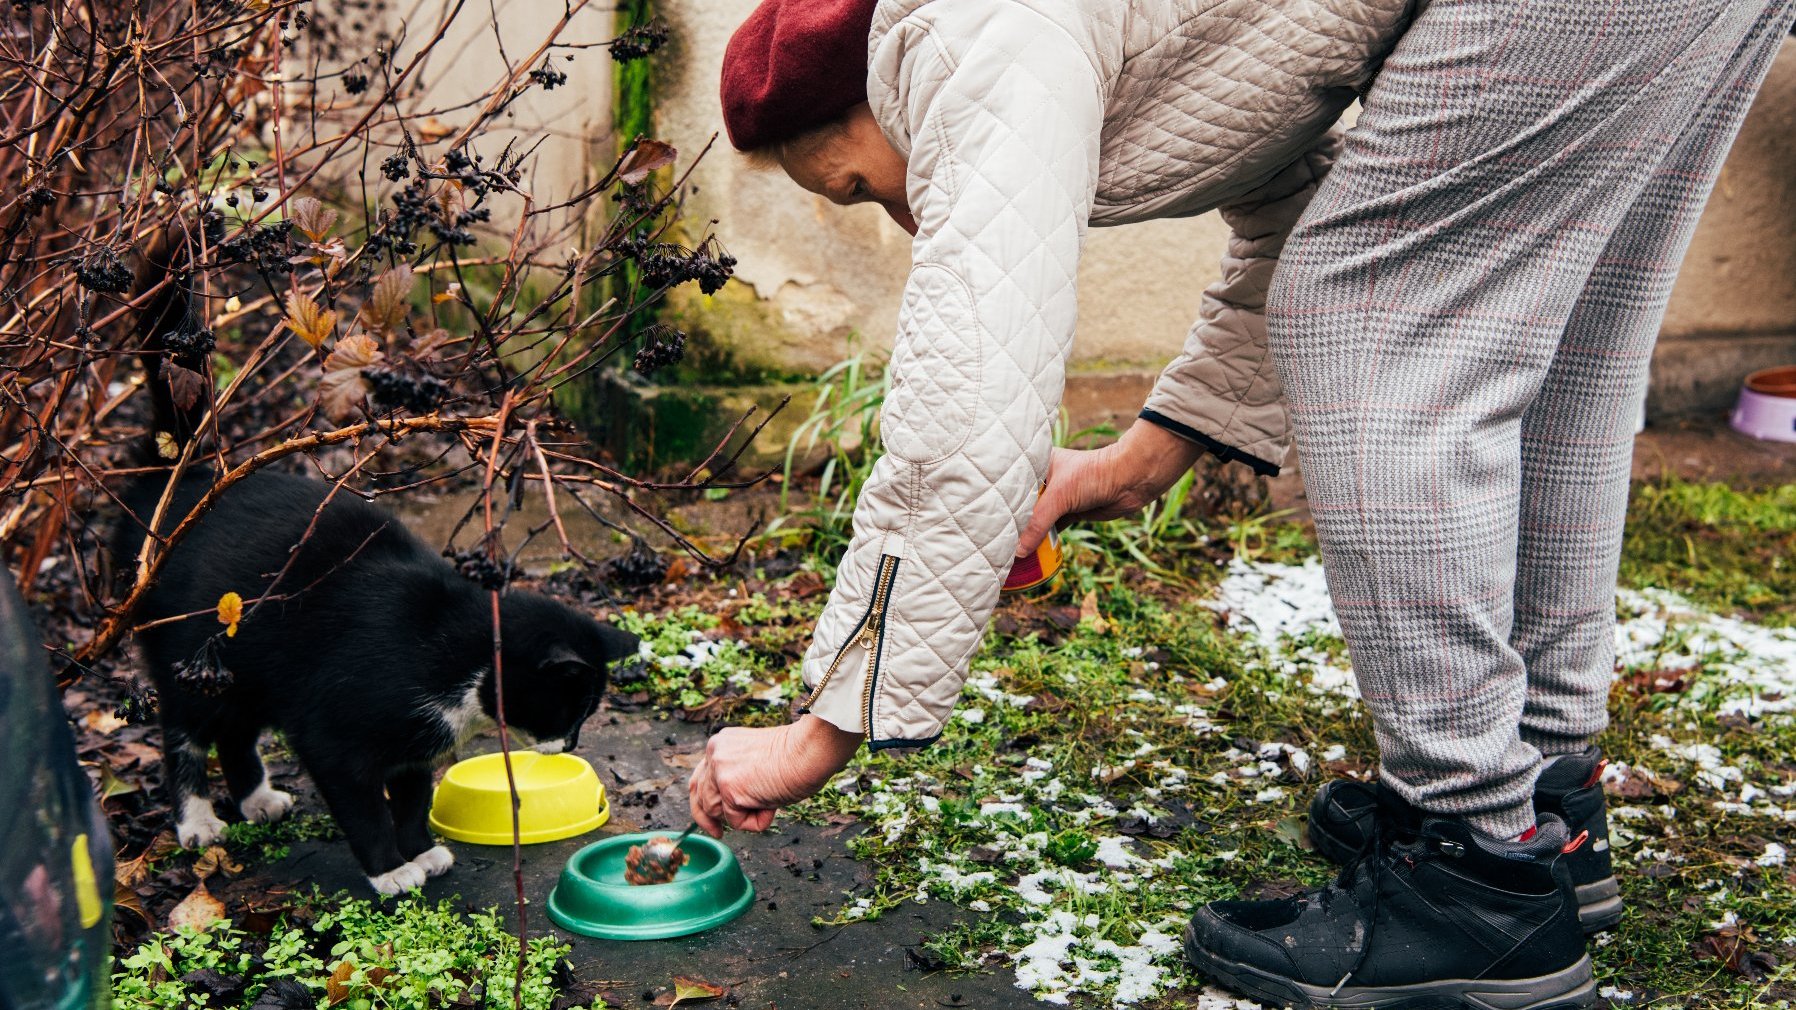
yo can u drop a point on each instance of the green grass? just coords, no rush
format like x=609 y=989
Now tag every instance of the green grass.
x=1730 y=550
x=269 y=842
x=1162 y=713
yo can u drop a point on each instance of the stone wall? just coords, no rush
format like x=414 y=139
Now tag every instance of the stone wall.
x=819 y=274
x=815 y=277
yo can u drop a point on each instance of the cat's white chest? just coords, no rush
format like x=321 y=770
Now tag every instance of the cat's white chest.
x=464 y=717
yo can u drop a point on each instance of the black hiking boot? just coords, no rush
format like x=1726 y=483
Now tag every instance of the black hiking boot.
x=1570 y=788
x=1432 y=915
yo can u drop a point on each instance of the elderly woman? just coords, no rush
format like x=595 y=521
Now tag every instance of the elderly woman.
x=1467 y=289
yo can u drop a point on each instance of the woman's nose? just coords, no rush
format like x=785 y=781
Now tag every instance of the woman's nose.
x=901 y=214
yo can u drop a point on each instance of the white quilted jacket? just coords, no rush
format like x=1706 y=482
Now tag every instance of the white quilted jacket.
x=1024 y=121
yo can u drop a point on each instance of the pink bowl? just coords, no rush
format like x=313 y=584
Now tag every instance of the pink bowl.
x=1767 y=405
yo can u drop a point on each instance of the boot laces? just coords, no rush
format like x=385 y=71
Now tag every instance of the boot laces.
x=1375 y=860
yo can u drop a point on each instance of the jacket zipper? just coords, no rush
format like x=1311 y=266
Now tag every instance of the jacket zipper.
x=868 y=634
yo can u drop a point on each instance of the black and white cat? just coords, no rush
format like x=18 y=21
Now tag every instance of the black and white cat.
x=372 y=655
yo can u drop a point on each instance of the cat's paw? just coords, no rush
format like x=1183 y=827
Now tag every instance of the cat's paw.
x=266 y=805
x=198 y=826
x=434 y=861
x=404 y=877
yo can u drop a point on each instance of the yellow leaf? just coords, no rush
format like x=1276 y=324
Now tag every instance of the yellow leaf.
x=431 y=129
x=230 y=611
x=307 y=318
x=198 y=911
x=111 y=785
x=101 y=721
x=166 y=447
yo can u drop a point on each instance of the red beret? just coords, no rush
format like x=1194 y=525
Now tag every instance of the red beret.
x=792 y=66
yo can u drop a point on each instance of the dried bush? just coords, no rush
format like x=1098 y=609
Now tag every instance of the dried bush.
x=350 y=276
x=353 y=277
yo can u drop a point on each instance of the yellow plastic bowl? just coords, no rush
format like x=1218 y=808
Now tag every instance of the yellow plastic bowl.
x=559 y=796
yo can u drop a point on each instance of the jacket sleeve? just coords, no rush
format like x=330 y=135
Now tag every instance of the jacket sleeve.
x=1223 y=392
x=999 y=119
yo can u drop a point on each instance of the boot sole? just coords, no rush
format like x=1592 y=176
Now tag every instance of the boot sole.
x=1572 y=988
x=1599 y=905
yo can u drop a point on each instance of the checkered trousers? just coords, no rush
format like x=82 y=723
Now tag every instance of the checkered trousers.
x=1463 y=320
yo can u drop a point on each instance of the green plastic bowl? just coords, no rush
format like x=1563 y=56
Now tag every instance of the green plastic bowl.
x=592 y=898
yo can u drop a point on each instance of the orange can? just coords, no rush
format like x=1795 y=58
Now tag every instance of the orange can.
x=1037 y=572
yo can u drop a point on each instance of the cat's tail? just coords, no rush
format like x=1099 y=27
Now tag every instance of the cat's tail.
x=175 y=347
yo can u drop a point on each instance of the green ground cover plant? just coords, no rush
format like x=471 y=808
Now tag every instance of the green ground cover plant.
x=409 y=954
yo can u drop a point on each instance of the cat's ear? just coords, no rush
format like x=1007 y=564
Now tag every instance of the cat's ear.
x=559 y=656
x=619 y=644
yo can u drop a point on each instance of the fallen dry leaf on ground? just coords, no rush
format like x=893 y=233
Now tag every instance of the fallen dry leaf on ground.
x=198 y=911
x=214 y=860
x=689 y=990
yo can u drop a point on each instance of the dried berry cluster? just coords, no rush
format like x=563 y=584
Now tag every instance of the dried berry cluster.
x=661 y=346
x=268 y=248
x=664 y=265
x=476 y=566
x=102 y=271
x=638 y=42
x=410 y=388
x=205 y=672
x=397 y=168
x=139 y=706
x=640 y=567
x=548 y=77
x=189 y=340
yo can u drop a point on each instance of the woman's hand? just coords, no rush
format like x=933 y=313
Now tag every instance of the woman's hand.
x=747 y=775
x=1089 y=485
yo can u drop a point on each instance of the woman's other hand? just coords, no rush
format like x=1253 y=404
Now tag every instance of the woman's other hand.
x=1090 y=485
x=747 y=775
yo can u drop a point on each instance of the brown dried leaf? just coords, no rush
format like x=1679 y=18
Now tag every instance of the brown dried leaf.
x=344 y=388
x=307 y=318
x=1088 y=611
x=428 y=345
x=125 y=899
x=215 y=860
x=1640 y=784
x=1734 y=948
x=387 y=304
x=311 y=217
x=199 y=910
x=336 y=988
x=644 y=158
x=184 y=384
